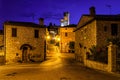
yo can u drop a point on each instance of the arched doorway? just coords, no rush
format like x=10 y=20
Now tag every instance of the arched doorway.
x=26 y=52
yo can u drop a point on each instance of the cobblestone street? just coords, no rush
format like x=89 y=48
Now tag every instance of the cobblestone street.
x=58 y=66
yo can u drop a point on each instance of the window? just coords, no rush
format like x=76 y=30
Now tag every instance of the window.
x=105 y=28
x=14 y=32
x=114 y=29
x=36 y=33
x=66 y=34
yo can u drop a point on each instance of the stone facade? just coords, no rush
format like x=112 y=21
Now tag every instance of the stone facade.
x=1 y=38
x=84 y=38
x=24 y=47
x=95 y=31
x=104 y=34
x=1 y=43
x=66 y=35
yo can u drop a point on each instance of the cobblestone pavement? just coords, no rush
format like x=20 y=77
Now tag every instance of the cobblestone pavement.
x=58 y=66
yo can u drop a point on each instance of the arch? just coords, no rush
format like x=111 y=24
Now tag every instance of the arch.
x=26 y=45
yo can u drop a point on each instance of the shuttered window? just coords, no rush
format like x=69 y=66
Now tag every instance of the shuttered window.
x=36 y=33
x=114 y=29
x=14 y=32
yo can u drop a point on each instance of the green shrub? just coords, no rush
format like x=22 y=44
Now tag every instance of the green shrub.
x=98 y=54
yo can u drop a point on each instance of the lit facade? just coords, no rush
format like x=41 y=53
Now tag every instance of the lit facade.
x=24 y=42
x=95 y=30
x=66 y=36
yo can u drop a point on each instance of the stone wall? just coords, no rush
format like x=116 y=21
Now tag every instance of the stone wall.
x=96 y=65
x=94 y=33
x=103 y=35
x=1 y=40
x=64 y=40
x=85 y=37
x=111 y=66
x=25 y=35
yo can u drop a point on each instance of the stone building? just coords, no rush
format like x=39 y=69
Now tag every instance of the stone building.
x=95 y=30
x=1 y=37
x=1 y=43
x=24 y=41
x=66 y=36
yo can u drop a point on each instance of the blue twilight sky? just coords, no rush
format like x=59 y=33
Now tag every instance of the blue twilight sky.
x=52 y=10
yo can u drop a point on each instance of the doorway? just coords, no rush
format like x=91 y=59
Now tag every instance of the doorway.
x=25 y=48
x=25 y=54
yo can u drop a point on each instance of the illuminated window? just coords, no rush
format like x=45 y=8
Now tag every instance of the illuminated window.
x=66 y=34
x=114 y=29
x=36 y=33
x=14 y=32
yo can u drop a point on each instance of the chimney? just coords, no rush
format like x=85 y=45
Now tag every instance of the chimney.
x=92 y=11
x=41 y=22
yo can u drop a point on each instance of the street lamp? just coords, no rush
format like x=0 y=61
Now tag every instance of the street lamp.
x=48 y=37
x=57 y=39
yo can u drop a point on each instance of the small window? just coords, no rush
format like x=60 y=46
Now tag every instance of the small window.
x=17 y=54
x=80 y=45
x=36 y=33
x=66 y=34
x=114 y=29
x=14 y=32
x=105 y=28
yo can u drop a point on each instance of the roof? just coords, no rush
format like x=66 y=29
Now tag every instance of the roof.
x=26 y=24
x=99 y=17
x=108 y=17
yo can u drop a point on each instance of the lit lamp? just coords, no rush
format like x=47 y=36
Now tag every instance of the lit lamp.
x=58 y=39
x=48 y=37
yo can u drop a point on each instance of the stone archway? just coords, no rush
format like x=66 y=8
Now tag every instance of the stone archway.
x=25 y=52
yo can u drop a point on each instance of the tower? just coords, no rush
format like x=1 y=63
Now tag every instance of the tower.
x=65 y=21
x=62 y=22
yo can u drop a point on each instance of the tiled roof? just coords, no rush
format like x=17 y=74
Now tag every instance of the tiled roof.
x=104 y=17
x=108 y=17
x=101 y=17
x=25 y=24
